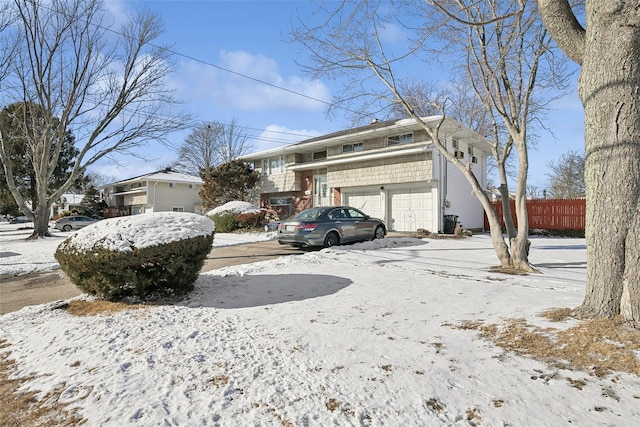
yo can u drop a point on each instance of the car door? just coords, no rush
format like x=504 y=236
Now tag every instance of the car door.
x=363 y=227
x=341 y=221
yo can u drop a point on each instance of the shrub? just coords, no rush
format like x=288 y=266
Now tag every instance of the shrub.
x=225 y=221
x=165 y=268
x=250 y=220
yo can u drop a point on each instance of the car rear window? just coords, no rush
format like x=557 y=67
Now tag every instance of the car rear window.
x=309 y=214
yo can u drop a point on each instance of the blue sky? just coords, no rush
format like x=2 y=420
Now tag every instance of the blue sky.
x=247 y=37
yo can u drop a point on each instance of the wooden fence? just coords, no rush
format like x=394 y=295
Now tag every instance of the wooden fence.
x=549 y=214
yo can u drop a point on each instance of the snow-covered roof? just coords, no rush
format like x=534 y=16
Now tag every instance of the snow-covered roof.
x=163 y=176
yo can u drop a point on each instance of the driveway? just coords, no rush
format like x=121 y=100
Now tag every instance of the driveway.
x=40 y=288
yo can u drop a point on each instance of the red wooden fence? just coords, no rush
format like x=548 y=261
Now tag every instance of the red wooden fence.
x=549 y=214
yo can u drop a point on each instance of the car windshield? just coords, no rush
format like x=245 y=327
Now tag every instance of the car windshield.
x=310 y=214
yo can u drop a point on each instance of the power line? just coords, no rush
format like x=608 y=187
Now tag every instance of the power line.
x=236 y=73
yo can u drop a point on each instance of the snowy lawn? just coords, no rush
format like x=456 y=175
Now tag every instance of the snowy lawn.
x=377 y=333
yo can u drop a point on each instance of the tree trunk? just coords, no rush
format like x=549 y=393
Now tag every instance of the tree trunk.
x=41 y=222
x=609 y=89
x=520 y=243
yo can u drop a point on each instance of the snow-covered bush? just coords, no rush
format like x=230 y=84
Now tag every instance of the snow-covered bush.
x=236 y=215
x=236 y=206
x=158 y=254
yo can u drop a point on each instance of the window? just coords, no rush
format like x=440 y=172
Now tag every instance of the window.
x=190 y=186
x=273 y=165
x=470 y=150
x=178 y=209
x=172 y=185
x=400 y=139
x=355 y=214
x=319 y=155
x=281 y=201
x=455 y=144
x=352 y=148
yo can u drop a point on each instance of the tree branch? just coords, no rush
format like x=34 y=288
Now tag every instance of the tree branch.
x=564 y=27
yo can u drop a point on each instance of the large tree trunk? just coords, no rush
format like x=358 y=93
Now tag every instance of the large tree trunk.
x=41 y=222
x=610 y=89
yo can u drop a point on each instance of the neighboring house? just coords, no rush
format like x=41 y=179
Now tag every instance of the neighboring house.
x=389 y=169
x=154 y=192
x=67 y=203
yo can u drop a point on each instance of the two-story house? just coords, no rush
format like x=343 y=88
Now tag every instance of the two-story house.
x=160 y=191
x=388 y=169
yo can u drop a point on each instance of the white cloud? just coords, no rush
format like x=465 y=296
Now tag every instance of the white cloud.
x=274 y=136
x=392 y=33
x=249 y=82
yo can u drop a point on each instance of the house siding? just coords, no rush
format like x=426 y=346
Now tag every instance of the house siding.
x=168 y=197
x=280 y=182
x=403 y=169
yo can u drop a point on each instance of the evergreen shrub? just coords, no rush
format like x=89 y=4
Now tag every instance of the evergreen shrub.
x=168 y=269
x=141 y=256
x=225 y=221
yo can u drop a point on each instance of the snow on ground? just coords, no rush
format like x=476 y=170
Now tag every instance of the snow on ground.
x=360 y=335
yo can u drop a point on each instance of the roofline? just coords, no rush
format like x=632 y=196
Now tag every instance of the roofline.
x=360 y=133
x=423 y=148
x=139 y=178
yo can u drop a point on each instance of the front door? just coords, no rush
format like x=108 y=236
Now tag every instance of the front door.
x=320 y=191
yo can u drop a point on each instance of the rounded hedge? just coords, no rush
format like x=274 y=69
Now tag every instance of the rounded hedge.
x=143 y=256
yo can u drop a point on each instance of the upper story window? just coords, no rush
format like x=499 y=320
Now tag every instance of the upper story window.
x=172 y=185
x=319 y=155
x=405 y=138
x=470 y=150
x=352 y=148
x=455 y=145
x=273 y=165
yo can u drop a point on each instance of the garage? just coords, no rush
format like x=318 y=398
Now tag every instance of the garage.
x=410 y=209
x=367 y=201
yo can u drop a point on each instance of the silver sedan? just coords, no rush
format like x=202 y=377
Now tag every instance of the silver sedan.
x=329 y=226
x=73 y=222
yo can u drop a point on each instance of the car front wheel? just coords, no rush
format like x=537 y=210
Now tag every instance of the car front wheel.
x=332 y=239
x=379 y=233
x=66 y=228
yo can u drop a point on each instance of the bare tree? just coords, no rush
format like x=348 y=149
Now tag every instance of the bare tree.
x=198 y=152
x=608 y=51
x=566 y=176
x=233 y=142
x=509 y=64
x=108 y=88
x=210 y=145
x=503 y=45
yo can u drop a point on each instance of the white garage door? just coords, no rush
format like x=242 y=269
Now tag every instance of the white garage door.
x=367 y=202
x=410 y=210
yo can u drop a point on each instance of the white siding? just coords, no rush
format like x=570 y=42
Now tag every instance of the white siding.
x=462 y=202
